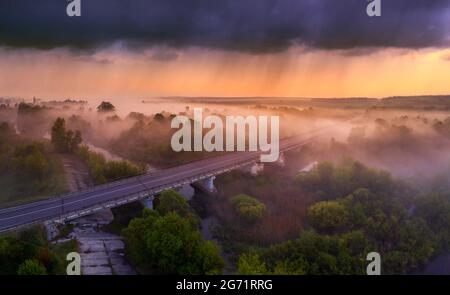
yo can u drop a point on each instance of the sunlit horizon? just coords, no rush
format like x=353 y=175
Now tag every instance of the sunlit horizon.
x=164 y=72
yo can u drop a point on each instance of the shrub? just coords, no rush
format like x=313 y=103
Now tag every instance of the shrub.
x=328 y=215
x=31 y=267
x=170 y=244
x=248 y=207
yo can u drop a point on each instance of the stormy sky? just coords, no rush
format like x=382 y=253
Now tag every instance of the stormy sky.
x=255 y=26
x=301 y=48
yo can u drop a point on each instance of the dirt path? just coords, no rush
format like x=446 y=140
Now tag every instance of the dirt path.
x=76 y=172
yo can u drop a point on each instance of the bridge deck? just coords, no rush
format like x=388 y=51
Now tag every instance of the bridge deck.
x=85 y=202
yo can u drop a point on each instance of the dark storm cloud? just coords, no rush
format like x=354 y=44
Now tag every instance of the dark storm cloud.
x=255 y=26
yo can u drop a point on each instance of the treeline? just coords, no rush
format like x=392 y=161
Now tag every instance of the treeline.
x=33 y=121
x=29 y=253
x=407 y=145
x=360 y=210
x=167 y=240
x=149 y=141
x=442 y=127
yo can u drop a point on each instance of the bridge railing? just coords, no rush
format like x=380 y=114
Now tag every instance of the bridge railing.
x=145 y=193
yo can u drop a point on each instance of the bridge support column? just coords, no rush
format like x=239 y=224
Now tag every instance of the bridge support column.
x=209 y=183
x=206 y=185
x=148 y=202
x=256 y=169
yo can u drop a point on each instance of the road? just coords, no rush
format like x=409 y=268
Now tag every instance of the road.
x=119 y=192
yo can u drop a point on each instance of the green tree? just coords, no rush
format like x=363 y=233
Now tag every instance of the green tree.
x=135 y=235
x=64 y=140
x=328 y=215
x=251 y=264
x=12 y=252
x=211 y=261
x=30 y=250
x=290 y=267
x=248 y=207
x=175 y=247
x=170 y=244
x=331 y=182
x=59 y=134
x=395 y=262
x=435 y=209
x=172 y=201
x=317 y=254
x=31 y=267
x=30 y=161
x=120 y=169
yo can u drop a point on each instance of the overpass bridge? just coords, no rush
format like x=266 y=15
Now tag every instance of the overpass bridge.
x=73 y=205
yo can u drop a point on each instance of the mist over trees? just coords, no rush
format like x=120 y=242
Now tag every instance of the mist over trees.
x=30 y=162
x=27 y=168
x=64 y=140
x=393 y=197
x=105 y=107
x=149 y=141
x=103 y=170
x=366 y=212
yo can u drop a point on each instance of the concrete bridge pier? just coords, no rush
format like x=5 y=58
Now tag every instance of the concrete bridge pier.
x=256 y=168
x=209 y=183
x=205 y=185
x=148 y=202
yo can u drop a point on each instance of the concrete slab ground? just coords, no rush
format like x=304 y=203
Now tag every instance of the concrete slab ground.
x=101 y=253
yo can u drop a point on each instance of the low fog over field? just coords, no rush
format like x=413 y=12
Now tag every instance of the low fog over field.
x=407 y=142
